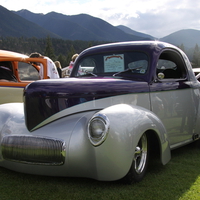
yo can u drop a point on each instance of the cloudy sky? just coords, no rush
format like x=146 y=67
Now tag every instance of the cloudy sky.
x=155 y=17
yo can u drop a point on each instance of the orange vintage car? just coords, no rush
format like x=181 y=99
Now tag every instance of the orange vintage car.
x=16 y=71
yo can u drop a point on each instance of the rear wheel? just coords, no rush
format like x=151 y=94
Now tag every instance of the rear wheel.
x=140 y=161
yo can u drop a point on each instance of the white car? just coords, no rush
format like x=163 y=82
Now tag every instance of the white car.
x=197 y=73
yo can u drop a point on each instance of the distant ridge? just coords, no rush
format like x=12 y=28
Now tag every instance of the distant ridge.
x=78 y=27
x=188 y=37
x=132 y=32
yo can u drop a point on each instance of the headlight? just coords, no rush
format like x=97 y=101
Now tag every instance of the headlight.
x=98 y=129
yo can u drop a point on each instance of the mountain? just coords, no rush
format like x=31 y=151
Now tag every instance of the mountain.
x=84 y=27
x=187 y=37
x=132 y=32
x=12 y=25
x=78 y=27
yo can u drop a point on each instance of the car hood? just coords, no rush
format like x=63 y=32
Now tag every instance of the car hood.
x=44 y=98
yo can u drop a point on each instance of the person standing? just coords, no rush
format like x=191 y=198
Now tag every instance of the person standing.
x=71 y=64
x=59 y=68
x=52 y=71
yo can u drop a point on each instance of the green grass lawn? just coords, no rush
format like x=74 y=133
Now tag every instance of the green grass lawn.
x=179 y=179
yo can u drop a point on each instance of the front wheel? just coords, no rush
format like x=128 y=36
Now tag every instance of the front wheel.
x=140 y=161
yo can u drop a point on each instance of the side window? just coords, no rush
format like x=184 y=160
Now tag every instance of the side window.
x=6 y=72
x=170 y=66
x=27 y=72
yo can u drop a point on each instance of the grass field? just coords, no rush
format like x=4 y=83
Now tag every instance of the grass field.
x=179 y=179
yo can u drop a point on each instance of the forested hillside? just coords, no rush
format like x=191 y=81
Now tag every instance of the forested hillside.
x=56 y=49
x=62 y=50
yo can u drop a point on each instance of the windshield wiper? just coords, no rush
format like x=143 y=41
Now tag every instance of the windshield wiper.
x=127 y=70
x=88 y=72
x=122 y=72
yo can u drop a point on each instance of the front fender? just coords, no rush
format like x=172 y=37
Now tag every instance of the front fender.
x=127 y=124
x=109 y=161
x=11 y=111
x=11 y=119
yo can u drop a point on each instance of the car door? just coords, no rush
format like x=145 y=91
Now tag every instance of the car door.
x=174 y=99
x=12 y=91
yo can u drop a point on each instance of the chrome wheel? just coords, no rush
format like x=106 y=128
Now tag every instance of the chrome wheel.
x=140 y=161
x=140 y=157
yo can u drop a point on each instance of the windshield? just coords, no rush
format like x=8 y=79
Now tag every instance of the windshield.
x=116 y=64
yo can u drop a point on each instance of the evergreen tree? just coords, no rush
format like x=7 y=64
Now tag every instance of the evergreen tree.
x=182 y=47
x=90 y=44
x=70 y=54
x=196 y=56
x=49 y=51
x=63 y=60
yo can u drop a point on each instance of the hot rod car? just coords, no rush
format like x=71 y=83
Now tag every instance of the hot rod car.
x=122 y=102
x=16 y=71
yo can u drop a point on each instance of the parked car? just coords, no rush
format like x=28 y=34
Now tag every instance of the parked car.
x=197 y=73
x=122 y=103
x=16 y=71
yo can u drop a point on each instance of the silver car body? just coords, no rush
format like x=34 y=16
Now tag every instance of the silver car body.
x=60 y=145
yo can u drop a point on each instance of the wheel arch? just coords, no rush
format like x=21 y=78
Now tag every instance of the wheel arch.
x=138 y=120
x=155 y=146
x=158 y=143
x=154 y=154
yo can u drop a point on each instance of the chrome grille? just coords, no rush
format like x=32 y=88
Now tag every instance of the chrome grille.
x=34 y=150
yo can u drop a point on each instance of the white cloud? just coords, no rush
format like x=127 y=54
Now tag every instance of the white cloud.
x=154 y=17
